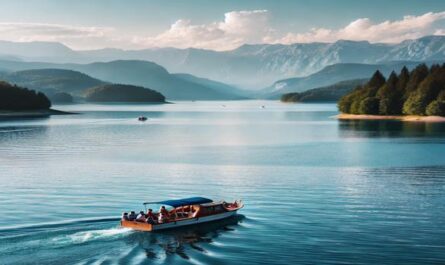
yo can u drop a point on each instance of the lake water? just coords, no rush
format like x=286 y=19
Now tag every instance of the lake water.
x=316 y=190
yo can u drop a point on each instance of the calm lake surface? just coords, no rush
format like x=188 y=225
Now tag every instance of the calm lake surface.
x=316 y=190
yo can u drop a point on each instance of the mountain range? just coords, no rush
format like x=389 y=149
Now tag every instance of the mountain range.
x=51 y=81
x=40 y=75
x=249 y=66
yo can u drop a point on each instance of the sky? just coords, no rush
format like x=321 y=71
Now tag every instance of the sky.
x=216 y=25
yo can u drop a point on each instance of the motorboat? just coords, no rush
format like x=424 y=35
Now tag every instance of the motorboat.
x=142 y=118
x=183 y=212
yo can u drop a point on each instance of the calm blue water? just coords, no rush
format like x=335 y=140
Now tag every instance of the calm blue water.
x=317 y=191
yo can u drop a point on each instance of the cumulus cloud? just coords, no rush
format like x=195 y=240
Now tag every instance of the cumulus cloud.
x=237 y=28
x=410 y=27
x=240 y=27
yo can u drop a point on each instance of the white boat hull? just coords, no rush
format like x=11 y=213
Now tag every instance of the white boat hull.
x=194 y=221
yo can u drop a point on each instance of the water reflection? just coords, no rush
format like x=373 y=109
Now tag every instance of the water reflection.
x=179 y=242
x=388 y=128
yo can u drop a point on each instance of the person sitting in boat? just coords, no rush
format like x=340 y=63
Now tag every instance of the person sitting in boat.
x=125 y=216
x=150 y=216
x=141 y=217
x=163 y=214
x=132 y=216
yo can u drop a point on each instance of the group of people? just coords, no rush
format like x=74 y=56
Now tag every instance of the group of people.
x=149 y=217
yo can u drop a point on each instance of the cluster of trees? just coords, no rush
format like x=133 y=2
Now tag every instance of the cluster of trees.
x=13 y=97
x=419 y=92
x=123 y=93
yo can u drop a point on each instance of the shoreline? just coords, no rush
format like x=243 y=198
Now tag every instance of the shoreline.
x=11 y=114
x=410 y=118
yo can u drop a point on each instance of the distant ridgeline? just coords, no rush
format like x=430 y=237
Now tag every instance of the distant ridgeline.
x=123 y=93
x=331 y=93
x=419 y=92
x=17 y=98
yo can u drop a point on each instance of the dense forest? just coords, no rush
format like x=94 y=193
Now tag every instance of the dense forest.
x=17 y=98
x=419 y=92
x=123 y=93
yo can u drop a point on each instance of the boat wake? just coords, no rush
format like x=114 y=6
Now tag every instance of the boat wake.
x=52 y=225
x=86 y=236
x=89 y=238
x=6 y=130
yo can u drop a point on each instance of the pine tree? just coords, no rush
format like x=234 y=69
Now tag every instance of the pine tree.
x=403 y=79
x=389 y=95
x=417 y=75
x=377 y=80
x=436 y=108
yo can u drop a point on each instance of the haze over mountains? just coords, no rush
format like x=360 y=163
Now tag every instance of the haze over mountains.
x=249 y=66
x=40 y=76
x=335 y=73
x=51 y=81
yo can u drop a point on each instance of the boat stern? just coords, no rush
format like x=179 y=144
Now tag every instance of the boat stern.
x=140 y=226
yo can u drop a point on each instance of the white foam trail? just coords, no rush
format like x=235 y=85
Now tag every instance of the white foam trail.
x=82 y=237
x=16 y=130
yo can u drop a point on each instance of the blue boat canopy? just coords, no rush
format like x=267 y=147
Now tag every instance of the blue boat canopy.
x=182 y=202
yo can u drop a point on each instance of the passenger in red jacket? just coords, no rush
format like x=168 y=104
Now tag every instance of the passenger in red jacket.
x=150 y=216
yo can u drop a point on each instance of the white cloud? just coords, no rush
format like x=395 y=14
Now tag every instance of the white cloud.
x=240 y=27
x=410 y=27
x=73 y=35
x=237 y=28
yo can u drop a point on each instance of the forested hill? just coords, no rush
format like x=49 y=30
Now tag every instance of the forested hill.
x=17 y=98
x=123 y=93
x=419 y=92
x=331 y=93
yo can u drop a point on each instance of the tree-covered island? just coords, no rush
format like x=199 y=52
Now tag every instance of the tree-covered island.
x=19 y=102
x=420 y=92
x=15 y=98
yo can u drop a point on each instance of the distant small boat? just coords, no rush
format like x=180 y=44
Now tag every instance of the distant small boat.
x=188 y=211
x=142 y=118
